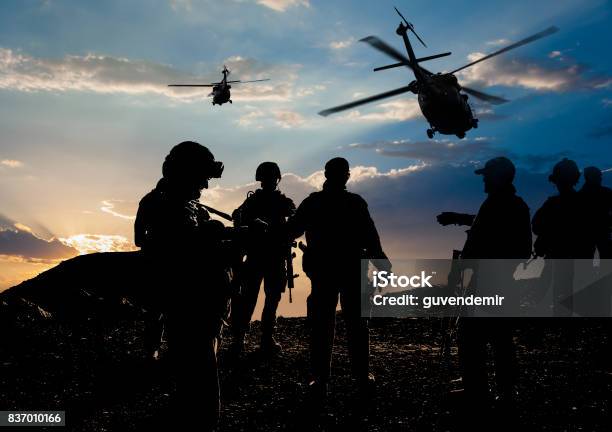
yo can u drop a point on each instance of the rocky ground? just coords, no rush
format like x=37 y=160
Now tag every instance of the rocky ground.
x=102 y=381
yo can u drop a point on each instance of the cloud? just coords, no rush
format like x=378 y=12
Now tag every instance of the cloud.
x=275 y=5
x=281 y=88
x=393 y=111
x=250 y=119
x=11 y=163
x=18 y=242
x=403 y=202
x=120 y=208
x=289 y=119
x=554 y=54
x=463 y=152
x=533 y=74
x=90 y=243
x=342 y=44
x=498 y=42
x=283 y=5
x=109 y=75
x=309 y=90
x=181 y=4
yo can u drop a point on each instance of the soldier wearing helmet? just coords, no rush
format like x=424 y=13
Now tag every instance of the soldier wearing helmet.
x=500 y=230
x=265 y=211
x=187 y=275
x=564 y=229
x=561 y=224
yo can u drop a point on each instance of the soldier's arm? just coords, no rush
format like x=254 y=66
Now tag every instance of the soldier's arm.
x=373 y=246
x=450 y=218
x=526 y=233
x=290 y=207
x=296 y=224
x=140 y=229
x=518 y=232
x=538 y=224
x=241 y=216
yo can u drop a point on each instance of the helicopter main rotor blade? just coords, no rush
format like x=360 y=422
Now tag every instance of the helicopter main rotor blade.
x=382 y=46
x=252 y=81
x=543 y=33
x=191 y=85
x=374 y=98
x=495 y=100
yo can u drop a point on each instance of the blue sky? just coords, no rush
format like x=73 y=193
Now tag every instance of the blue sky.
x=86 y=118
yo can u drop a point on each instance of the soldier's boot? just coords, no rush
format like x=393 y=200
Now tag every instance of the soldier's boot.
x=317 y=395
x=269 y=345
x=237 y=347
x=367 y=385
x=268 y=323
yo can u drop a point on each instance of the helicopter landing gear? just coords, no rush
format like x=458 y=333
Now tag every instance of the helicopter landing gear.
x=475 y=123
x=461 y=135
x=430 y=133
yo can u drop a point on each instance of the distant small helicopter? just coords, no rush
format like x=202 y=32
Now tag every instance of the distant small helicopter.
x=444 y=106
x=220 y=90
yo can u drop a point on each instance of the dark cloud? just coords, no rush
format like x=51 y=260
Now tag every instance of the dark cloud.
x=460 y=152
x=17 y=241
x=557 y=74
x=601 y=132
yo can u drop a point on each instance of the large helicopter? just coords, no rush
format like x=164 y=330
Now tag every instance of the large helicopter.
x=220 y=90
x=440 y=95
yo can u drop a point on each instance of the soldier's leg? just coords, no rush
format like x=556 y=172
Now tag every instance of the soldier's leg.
x=153 y=334
x=321 y=304
x=192 y=345
x=358 y=332
x=504 y=357
x=473 y=358
x=247 y=301
x=274 y=285
x=210 y=404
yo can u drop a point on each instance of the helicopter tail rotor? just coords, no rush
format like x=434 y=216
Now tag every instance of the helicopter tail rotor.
x=410 y=26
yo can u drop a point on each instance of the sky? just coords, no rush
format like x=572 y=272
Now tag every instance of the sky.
x=86 y=116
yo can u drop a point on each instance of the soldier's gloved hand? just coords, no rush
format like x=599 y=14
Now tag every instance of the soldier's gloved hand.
x=259 y=225
x=447 y=218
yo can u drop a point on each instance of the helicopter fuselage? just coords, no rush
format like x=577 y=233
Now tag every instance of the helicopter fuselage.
x=444 y=106
x=221 y=94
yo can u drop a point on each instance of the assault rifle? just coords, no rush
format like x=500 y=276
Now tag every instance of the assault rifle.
x=290 y=275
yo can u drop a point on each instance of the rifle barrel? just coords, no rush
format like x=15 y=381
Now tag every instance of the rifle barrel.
x=218 y=213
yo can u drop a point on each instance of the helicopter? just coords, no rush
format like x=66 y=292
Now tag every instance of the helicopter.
x=220 y=90
x=442 y=100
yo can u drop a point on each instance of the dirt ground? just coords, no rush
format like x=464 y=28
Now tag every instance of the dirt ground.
x=101 y=379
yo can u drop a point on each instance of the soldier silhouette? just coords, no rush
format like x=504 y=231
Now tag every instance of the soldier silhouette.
x=339 y=233
x=562 y=223
x=598 y=202
x=266 y=254
x=500 y=230
x=189 y=283
x=565 y=232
